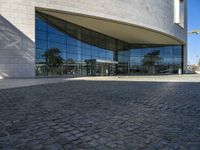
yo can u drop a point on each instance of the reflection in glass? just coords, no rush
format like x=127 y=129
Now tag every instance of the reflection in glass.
x=63 y=48
x=53 y=61
x=150 y=61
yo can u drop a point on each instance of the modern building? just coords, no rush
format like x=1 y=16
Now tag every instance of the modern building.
x=92 y=38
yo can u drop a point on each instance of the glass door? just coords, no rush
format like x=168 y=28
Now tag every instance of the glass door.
x=100 y=69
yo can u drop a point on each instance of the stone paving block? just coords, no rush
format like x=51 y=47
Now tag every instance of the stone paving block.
x=137 y=116
x=54 y=146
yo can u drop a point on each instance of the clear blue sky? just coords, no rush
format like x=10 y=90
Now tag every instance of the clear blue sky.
x=193 y=23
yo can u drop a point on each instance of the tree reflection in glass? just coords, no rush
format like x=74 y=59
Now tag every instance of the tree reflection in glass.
x=150 y=60
x=54 y=61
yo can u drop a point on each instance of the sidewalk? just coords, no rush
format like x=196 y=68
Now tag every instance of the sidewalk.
x=147 y=78
x=12 y=83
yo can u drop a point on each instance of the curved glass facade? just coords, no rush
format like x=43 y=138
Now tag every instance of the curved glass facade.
x=63 y=48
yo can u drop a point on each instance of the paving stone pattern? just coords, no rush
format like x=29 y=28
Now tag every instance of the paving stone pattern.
x=79 y=115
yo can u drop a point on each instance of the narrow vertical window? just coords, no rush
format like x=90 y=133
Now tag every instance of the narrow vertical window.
x=182 y=11
x=179 y=11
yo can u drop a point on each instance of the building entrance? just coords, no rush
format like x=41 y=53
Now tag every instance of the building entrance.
x=97 y=67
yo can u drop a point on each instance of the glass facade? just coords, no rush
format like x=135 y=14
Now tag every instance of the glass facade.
x=63 y=48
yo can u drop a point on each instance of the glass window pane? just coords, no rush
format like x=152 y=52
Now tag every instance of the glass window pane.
x=40 y=44
x=54 y=30
x=40 y=35
x=40 y=24
x=61 y=47
x=168 y=52
x=73 y=42
x=57 y=38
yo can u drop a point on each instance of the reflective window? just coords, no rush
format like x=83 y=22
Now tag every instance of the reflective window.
x=182 y=11
x=179 y=12
x=63 y=48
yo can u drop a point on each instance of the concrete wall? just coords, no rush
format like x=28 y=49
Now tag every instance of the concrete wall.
x=17 y=51
x=153 y=14
x=17 y=25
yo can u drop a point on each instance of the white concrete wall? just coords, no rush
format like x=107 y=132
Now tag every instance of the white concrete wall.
x=17 y=25
x=17 y=36
x=153 y=14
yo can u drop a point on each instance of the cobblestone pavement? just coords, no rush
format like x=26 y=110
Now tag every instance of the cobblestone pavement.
x=79 y=115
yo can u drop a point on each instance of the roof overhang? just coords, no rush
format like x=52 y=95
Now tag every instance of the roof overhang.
x=126 y=32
